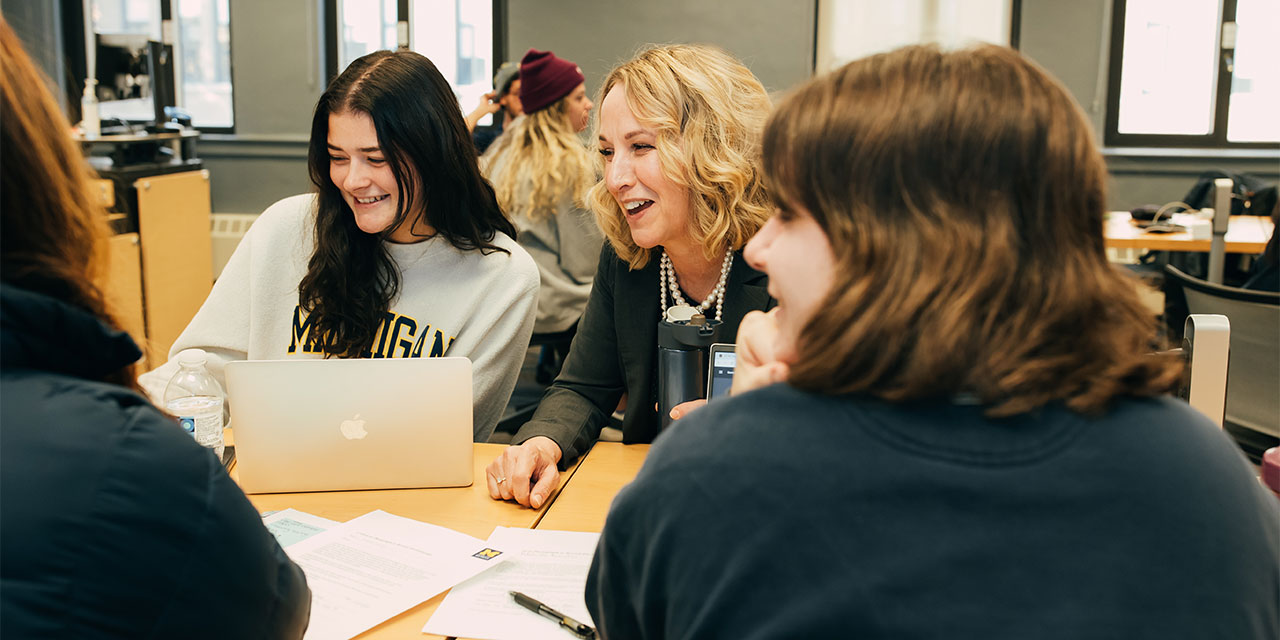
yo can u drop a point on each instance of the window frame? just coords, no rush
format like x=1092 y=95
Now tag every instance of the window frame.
x=1215 y=139
x=402 y=17
x=75 y=56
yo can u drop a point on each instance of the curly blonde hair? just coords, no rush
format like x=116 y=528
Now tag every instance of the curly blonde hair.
x=708 y=112
x=542 y=152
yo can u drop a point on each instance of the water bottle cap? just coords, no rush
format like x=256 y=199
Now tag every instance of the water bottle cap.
x=193 y=356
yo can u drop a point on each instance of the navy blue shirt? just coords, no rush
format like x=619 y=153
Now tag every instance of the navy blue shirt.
x=116 y=523
x=781 y=514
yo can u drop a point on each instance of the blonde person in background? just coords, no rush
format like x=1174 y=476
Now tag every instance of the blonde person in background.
x=541 y=170
x=972 y=440
x=678 y=137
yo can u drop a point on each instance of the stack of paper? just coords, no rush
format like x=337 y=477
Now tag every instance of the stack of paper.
x=378 y=565
x=549 y=566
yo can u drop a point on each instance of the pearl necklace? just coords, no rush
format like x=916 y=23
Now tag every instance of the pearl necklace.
x=667 y=276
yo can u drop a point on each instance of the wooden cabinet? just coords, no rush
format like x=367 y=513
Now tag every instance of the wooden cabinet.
x=174 y=222
x=124 y=289
x=161 y=273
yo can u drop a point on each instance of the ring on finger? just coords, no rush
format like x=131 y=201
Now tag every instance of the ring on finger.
x=502 y=479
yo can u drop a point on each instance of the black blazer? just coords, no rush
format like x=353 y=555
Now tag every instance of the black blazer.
x=616 y=350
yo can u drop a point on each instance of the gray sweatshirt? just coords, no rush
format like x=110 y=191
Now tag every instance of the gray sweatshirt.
x=451 y=303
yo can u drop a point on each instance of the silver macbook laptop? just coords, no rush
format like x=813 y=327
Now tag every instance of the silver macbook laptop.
x=331 y=425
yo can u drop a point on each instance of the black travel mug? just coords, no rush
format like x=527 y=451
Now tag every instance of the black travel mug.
x=682 y=362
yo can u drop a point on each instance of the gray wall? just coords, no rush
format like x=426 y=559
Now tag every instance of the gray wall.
x=277 y=71
x=1067 y=38
x=775 y=39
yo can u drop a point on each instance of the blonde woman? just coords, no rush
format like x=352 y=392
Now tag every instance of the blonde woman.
x=541 y=170
x=679 y=142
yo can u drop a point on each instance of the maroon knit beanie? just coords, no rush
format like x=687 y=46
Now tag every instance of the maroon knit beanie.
x=544 y=78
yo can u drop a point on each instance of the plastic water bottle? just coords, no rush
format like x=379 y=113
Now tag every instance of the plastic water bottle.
x=90 y=125
x=196 y=399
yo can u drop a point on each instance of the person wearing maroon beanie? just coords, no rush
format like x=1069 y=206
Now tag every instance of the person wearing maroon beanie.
x=545 y=79
x=540 y=170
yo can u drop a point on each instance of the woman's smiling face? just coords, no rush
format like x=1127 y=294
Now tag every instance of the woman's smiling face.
x=656 y=208
x=359 y=168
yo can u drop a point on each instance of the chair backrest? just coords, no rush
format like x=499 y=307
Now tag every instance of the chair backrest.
x=1206 y=344
x=1253 y=382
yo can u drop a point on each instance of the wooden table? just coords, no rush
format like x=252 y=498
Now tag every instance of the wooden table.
x=469 y=510
x=1245 y=234
x=584 y=503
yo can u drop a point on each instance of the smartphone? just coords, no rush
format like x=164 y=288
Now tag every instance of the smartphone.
x=720 y=374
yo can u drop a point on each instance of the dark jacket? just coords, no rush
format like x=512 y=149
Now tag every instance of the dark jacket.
x=116 y=524
x=783 y=514
x=484 y=136
x=616 y=351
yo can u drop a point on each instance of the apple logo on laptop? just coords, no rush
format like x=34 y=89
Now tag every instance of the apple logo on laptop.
x=353 y=429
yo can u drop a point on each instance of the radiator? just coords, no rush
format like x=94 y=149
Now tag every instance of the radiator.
x=228 y=228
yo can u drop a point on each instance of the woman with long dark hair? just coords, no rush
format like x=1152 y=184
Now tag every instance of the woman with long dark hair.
x=116 y=523
x=402 y=251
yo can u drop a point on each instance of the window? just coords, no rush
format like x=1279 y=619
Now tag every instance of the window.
x=121 y=31
x=457 y=35
x=200 y=38
x=1194 y=73
x=851 y=29
x=367 y=26
x=204 y=79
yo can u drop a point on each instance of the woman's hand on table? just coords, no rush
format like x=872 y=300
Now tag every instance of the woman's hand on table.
x=758 y=364
x=525 y=472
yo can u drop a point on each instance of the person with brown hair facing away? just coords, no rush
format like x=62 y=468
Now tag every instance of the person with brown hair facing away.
x=679 y=141
x=116 y=523
x=541 y=171
x=958 y=431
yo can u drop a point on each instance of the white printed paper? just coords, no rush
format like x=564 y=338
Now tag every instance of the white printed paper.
x=290 y=526
x=374 y=567
x=549 y=566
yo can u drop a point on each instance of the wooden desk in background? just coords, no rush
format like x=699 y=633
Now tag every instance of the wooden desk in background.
x=1245 y=234
x=469 y=510
x=584 y=503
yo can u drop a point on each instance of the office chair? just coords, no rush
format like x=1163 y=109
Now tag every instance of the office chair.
x=1253 y=385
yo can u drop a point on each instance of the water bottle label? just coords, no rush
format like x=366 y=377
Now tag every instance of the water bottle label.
x=188 y=425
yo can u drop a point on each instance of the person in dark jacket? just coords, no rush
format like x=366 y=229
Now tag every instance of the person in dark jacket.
x=116 y=524
x=504 y=100
x=956 y=428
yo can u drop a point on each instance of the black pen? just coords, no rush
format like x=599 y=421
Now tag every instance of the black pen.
x=573 y=626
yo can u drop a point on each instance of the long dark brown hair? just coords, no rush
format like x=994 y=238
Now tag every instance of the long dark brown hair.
x=52 y=229
x=963 y=198
x=351 y=279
